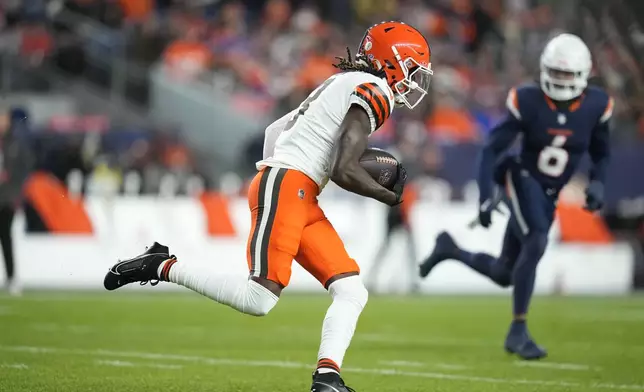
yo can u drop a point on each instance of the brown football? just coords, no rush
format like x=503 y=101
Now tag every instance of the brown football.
x=381 y=165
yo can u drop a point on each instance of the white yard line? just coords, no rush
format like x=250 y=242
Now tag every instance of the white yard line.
x=300 y=365
x=403 y=363
x=449 y=366
x=554 y=365
x=413 y=364
x=106 y=362
x=617 y=386
x=20 y=366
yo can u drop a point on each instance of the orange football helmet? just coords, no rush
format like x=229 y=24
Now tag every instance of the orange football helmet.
x=403 y=55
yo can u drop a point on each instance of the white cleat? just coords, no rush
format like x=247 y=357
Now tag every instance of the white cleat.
x=14 y=288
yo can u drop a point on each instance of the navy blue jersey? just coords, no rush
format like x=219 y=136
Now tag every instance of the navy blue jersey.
x=554 y=140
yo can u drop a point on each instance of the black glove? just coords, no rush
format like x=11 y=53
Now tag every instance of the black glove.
x=594 y=196
x=399 y=186
x=485 y=216
x=486 y=208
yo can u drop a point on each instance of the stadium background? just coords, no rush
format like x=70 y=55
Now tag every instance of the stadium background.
x=170 y=98
x=145 y=118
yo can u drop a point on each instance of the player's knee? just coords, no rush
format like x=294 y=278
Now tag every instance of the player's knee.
x=501 y=275
x=259 y=300
x=537 y=242
x=504 y=279
x=350 y=289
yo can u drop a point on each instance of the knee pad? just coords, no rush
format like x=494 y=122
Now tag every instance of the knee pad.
x=350 y=289
x=259 y=300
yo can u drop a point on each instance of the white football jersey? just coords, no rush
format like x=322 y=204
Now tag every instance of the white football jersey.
x=303 y=139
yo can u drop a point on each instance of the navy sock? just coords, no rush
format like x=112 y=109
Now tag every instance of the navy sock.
x=525 y=271
x=517 y=327
x=486 y=265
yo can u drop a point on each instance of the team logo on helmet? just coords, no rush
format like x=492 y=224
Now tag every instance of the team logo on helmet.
x=367 y=44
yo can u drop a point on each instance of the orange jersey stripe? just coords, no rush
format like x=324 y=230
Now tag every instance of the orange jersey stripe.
x=609 y=107
x=608 y=112
x=377 y=101
x=382 y=96
x=514 y=98
x=512 y=103
x=365 y=95
x=577 y=104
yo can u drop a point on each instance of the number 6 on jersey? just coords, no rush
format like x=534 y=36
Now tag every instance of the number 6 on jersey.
x=553 y=159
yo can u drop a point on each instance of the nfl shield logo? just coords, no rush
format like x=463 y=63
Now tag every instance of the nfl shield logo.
x=561 y=119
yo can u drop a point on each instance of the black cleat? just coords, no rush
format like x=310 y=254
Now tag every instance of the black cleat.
x=523 y=346
x=142 y=268
x=445 y=249
x=329 y=382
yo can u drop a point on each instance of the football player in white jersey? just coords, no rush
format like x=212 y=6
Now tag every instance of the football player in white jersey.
x=323 y=139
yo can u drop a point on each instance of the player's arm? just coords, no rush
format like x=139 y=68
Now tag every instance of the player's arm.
x=346 y=170
x=599 y=149
x=499 y=141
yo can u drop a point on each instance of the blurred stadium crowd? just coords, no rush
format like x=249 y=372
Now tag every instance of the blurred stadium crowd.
x=263 y=57
x=269 y=54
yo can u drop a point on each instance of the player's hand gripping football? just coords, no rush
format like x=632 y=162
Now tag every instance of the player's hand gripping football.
x=594 y=196
x=399 y=186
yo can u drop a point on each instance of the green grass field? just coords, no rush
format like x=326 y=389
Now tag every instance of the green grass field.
x=181 y=342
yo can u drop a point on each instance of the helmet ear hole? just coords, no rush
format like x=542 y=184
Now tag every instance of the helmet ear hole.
x=389 y=65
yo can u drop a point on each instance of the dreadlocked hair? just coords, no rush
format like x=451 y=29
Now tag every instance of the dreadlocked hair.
x=349 y=64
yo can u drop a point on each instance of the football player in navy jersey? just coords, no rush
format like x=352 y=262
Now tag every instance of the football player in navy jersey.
x=559 y=122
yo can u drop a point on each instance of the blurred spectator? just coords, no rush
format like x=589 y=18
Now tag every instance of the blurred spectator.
x=451 y=121
x=367 y=11
x=17 y=161
x=36 y=43
x=317 y=67
x=137 y=10
x=188 y=57
x=108 y=12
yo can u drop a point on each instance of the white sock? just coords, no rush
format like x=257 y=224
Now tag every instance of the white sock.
x=327 y=370
x=238 y=292
x=349 y=298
